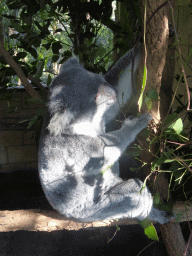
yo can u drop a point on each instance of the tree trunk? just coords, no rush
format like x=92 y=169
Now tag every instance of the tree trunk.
x=157 y=33
x=157 y=44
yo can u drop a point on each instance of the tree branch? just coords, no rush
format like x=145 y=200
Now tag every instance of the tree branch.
x=41 y=87
x=50 y=220
x=10 y=61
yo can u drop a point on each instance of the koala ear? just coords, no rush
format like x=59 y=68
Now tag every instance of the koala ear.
x=59 y=122
x=72 y=62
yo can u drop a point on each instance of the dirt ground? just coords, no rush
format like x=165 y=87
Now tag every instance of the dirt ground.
x=23 y=191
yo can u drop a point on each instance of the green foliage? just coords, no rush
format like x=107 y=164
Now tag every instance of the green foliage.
x=173 y=148
x=173 y=124
x=176 y=157
x=149 y=229
x=47 y=32
x=44 y=32
x=35 y=123
x=40 y=34
x=140 y=101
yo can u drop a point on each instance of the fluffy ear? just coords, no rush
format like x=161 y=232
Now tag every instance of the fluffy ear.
x=59 y=122
x=72 y=62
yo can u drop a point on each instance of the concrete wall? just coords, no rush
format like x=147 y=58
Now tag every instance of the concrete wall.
x=18 y=150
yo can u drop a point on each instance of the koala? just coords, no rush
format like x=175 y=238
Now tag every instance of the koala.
x=77 y=159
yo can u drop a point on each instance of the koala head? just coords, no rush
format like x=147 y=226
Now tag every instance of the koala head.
x=78 y=100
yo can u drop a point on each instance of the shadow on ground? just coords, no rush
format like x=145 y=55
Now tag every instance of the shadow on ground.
x=22 y=190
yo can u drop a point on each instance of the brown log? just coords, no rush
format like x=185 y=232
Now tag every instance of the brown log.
x=41 y=220
x=172 y=233
x=46 y=220
x=173 y=239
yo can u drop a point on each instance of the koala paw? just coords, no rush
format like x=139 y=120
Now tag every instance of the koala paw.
x=159 y=216
x=141 y=121
x=147 y=116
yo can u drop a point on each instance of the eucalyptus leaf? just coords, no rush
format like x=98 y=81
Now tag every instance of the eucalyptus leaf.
x=177 y=126
x=149 y=229
x=151 y=233
x=140 y=101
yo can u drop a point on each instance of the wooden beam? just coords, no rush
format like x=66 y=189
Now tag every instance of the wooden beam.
x=41 y=220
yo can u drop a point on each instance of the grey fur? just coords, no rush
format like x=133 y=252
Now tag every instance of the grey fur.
x=120 y=76
x=78 y=160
